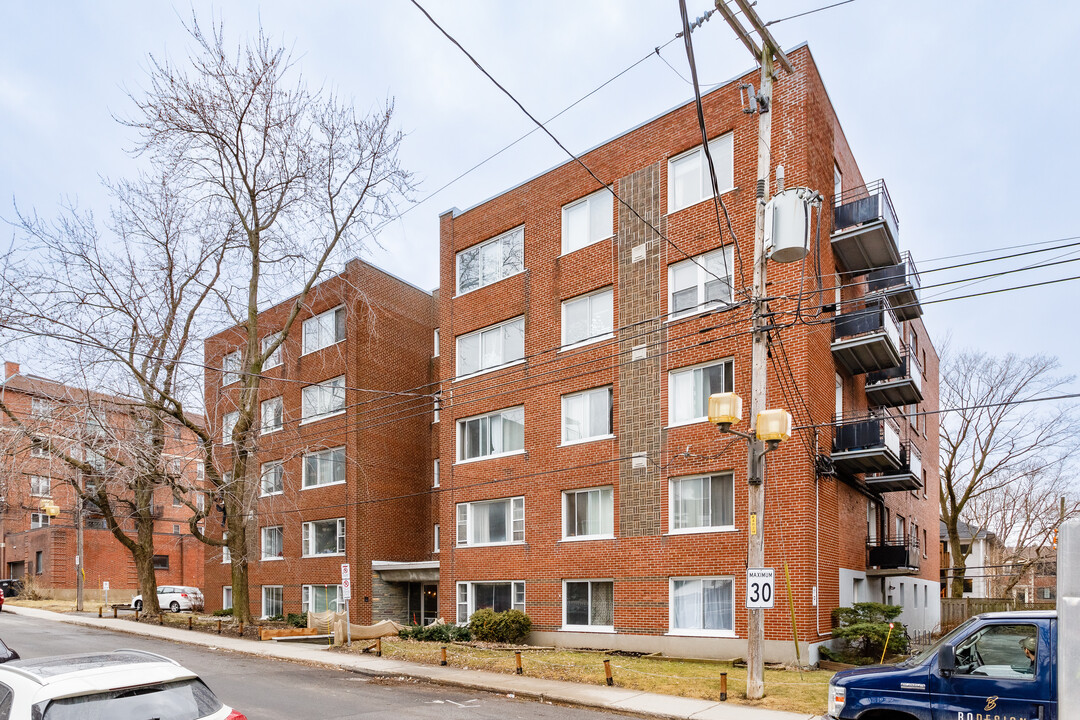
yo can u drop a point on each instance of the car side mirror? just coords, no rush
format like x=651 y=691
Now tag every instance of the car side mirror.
x=947 y=660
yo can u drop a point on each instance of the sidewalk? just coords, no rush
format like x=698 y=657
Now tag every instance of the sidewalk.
x=606 y=698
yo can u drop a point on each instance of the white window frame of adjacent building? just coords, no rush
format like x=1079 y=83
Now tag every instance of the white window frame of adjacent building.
x=308 y=600
x=308 y=538
x=226 y=554
x=689 y=181
x=226 y=597
x=505 y=444
x=435 y=476
x=587 y=416
x=37 y=451
x=40 y=486
x=273 y=542
x=230 y=367
x=491 y=348
x=322 y=401
x=436 y=338
x=323 y=330
x=467 y=591
x=273 y=598
x=694 y=502
x=594 y=624
x=691 y=379
x=598 y=314
x=275 y=358
x=684 y=625
x=588 y=220
x=39 y=520
x=228 y=422
x=41 y=407
x=320 y=460
x=438 y=537
x=709 y=276
x=599 y=501
x=272 y=478
x=493 y=259
x=471 y=531
x=272 y=413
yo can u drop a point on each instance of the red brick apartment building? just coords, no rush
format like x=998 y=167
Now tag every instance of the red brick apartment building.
x=344 y=452
x=581 y=481
x=45 y=547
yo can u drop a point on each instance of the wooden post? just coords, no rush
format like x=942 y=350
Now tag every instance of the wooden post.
x=723 y=686
x=378 y=647
x=241 y=628
x=99 y=608
x=442 y=660
x=161 y=618
x=218 y=627
x=114 y=611
x=607 y=673
x=517 y=657
x=190 y=621
x=136 y=614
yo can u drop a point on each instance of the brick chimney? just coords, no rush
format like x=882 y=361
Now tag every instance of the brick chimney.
x=10 y=368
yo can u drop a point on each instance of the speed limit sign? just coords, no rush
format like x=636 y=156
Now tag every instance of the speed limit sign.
x=760 y=583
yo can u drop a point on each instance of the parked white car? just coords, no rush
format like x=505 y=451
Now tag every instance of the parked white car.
x=120 y=685
x=176 y=598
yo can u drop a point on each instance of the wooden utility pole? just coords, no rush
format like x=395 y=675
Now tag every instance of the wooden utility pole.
x=79 y=560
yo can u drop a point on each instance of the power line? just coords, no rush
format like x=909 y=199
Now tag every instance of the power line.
x=808 y=12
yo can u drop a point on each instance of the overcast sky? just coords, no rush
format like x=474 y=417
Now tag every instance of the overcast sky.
x=967 y=109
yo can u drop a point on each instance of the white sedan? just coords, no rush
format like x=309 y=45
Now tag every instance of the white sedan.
x=176 y=598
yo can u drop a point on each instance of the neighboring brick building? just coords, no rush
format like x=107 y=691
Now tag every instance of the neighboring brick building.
x=580 y=479
x=45 y=547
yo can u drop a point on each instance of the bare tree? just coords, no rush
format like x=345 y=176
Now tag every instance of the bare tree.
x=991 y=441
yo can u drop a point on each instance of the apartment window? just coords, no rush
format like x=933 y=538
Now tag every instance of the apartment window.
x=200 y=502
x=491 y=522
x=838 y=183
x=273 y=478
x=95 y=460
x=200 y=471
x=38 y=520
x=161 y=562
x=228 y=422
x=924 y=547
x=497 y=433
x=273 y=543
x=587 y=318
x=226 y=554
x=689 y=181
x=321 y=598
x=40 y=486
x=491 y=347
x=275 y=357
x=491 y=261
x=689 y=390
x=323 y=400
x=41 y=407
x=95 y=524
x=437 y=403
x=226 y=597
x=589 y=604
x=436 y=353
x=702 y=606
x=702 y=503
x=325 y=467
x=588 y=513
x=700 y=283
x=39 y=562
x=324 y=537
x=437 y=538
x=586 y=415
x=230 y=368
x=838 y=409
x=273 y=416
x=587 y=220
x=175 y=529
x=499 y=596
x=435 y=474
x=37 y=451
x=177 y=501
x=324 y=330
x=272 y=603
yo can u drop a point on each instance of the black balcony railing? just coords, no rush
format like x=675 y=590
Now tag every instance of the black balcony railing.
x=906 y=476
x=894 y=276
x=865 y=317
x=865 y=204
x=893 y=553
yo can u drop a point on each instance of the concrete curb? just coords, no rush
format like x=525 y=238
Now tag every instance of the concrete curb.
x=557 y=691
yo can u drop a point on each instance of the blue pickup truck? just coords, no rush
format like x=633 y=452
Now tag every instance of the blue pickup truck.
x=995 y=666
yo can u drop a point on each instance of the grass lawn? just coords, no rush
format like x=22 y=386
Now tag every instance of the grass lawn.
x=790 y=690
x=50 y=604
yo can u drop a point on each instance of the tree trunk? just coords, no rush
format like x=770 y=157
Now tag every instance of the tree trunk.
x=239 y=564
x=959 y=562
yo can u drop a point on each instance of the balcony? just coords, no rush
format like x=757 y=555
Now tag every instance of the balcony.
x=900 y=283
x=901 y=385
x=867 y=337
x=907 y=477
x=892 y=556
x=870 y=445
x=865 y=229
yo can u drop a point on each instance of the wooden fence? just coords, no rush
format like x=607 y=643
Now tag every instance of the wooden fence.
x=956 y=610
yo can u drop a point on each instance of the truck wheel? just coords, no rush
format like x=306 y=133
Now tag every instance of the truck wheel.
x=174 y=606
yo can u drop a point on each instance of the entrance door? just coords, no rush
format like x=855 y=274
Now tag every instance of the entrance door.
x=430 y=595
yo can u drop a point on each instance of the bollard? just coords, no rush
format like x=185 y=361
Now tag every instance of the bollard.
x=99 y=611
x=190 y=620
x=378 y=647
x=161 y=618
x=723 y=686
x=517 y=658
x=114 y=610
x=607 y=672
x=136 y=614
x=442 y=661
x=241 y=628
x=218 y=627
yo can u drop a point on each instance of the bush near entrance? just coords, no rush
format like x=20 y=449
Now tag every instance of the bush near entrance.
x=865 y=627
x=505 y=627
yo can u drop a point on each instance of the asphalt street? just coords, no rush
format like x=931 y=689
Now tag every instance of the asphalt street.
x=279 y=690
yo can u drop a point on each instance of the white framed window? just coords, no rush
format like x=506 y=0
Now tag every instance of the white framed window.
x=436 y=353
x=324 y=537
x=226 y=554
x=589 y=605
x=838 y=183
x=491 y=347
x=273 y=415
x=700 y=283
x=272 y=481
x=323 y=400
x=689 y=181
x=228 y=422
x=275 y=358
x=200 y=471
x=324 y=330
x=491 y=435
x=588 y=220
x=324 y=467
x=437 y=538
x=273 y=543
x=38 y=520
x=37 y=451
x=226 y=597
x=491 y=522
x=200 y=502
x=95 y=460
x=41 y=407
x=702 y=606
x=437 y=403
x=689 y=390
x=435 y=474
x=40 y=486
x=588 y=513
x=587 y=318
x=491 y=261
x=499 y=596
x=272 y=601
x=321 y=598
x=230 y=368
x=586 y=415
x=704 y=502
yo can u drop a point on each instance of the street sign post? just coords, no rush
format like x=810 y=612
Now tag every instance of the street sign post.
x=346 y=595
x=760 y=586
x=105 y=587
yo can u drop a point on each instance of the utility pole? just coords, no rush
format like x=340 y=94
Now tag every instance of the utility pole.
x=78 y=543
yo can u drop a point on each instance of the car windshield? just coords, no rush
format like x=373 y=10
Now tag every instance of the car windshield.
x=921 y=657
x=183 y=700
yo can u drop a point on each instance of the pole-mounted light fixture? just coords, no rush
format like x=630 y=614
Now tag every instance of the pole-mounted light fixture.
x=773 y=426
